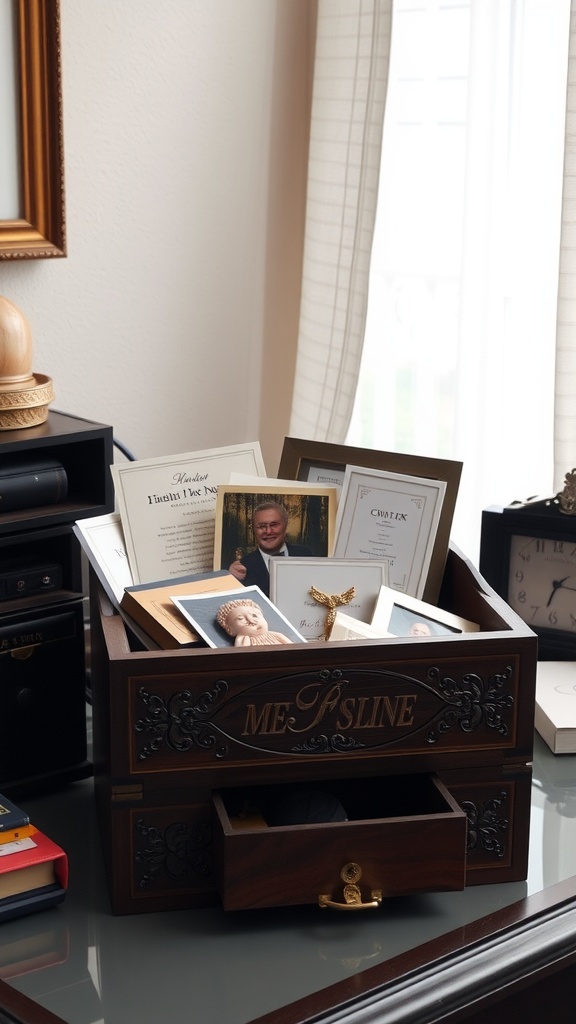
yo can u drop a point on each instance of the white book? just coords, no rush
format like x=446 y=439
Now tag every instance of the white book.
x=556 y=705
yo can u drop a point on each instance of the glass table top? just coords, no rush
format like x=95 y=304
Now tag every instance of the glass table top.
x=86 y=965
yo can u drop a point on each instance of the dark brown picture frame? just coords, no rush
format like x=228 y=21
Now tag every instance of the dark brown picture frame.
x=299 y=456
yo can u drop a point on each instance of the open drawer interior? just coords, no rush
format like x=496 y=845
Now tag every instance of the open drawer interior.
x=279 y=845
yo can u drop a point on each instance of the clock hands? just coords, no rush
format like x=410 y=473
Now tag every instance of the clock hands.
x=556 y=585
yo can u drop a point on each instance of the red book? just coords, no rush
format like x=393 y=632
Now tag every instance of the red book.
x=31 y=864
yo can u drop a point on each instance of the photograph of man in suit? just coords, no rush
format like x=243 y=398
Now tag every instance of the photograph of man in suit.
x=269 y=524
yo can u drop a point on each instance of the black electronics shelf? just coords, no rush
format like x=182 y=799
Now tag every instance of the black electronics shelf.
x=43 y=741
x=84 y=449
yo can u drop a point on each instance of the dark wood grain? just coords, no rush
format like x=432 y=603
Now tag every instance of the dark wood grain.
x=16 y=1008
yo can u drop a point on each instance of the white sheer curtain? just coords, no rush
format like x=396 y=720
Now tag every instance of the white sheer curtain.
x=460 y=336
x=565 y=393
x=351 y=71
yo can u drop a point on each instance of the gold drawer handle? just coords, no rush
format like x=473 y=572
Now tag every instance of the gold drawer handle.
x=351 y=874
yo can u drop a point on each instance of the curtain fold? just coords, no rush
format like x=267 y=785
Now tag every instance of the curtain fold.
x=565 y=381
x=349 y=95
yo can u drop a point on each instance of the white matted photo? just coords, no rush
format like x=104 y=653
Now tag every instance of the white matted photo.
x=309 y=590
x=392 y=516
x=347 y=628
x=402 y=615
x=237 y=618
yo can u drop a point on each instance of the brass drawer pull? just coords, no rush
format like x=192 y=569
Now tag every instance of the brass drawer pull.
x=351 y=874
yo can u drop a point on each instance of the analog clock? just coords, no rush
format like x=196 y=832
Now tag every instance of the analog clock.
x=528 y=555
x=542 y=581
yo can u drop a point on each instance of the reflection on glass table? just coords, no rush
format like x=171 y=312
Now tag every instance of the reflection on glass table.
x=86 y=965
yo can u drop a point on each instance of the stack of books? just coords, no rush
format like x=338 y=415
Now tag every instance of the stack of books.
x=33 y=868
x=555 y=718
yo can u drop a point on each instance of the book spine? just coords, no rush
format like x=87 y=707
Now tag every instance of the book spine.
x=17 y=833
x=38 y=849
x=148 y=623
x=11 y=816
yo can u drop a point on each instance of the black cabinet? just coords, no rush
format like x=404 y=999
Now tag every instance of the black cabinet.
x=42 y=641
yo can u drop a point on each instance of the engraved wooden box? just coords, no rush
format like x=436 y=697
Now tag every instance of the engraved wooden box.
x=175 y=733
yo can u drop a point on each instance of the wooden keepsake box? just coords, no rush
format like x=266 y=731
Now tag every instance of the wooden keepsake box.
x=425 y=742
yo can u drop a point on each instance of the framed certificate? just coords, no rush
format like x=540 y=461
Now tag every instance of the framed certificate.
x=395 y=517
x=168 y=508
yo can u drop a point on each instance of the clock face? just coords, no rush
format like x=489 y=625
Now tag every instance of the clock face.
x=542 y=581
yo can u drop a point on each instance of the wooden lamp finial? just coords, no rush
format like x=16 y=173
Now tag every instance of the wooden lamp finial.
x=24 y=396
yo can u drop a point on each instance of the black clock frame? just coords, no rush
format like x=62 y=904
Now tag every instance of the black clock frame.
x=541 y=519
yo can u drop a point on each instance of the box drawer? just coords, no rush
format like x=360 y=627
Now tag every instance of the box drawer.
x=402 y=835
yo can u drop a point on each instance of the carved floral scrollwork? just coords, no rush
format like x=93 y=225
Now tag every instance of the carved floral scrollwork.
x=485 y=824
x=333 y=744
x=472 y=702
x=180 y=721
x=179 y=852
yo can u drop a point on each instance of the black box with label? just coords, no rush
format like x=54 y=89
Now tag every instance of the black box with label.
x=42 y=705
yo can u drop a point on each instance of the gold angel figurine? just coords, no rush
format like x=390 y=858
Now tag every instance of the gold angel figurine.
x=332 y=602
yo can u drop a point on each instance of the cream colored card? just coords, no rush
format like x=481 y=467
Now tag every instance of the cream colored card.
x=391 y=516
x=168 y=506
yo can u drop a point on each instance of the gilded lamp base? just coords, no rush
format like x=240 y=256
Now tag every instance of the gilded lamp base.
x=27 y=406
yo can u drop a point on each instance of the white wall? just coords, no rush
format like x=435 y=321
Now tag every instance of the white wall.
x=185 y=158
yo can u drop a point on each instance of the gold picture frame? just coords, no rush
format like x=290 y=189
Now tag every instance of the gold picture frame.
x=40 y=230
x=235 y=504
x=321 y=462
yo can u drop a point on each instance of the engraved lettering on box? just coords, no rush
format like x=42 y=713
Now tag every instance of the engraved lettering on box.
x=473 y=702
x=181 y=721
x=486 y=825
x=327 y=712
x=175 y=856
